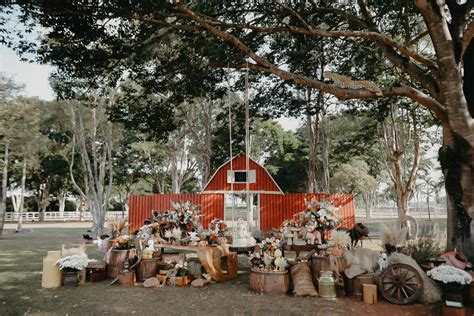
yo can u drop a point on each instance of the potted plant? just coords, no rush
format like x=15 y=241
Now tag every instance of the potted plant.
x=453 y=281
x=339 y=239
x=124 y=242
x=71 y=265
x=182 y=274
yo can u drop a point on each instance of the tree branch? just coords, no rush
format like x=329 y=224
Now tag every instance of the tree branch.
x=412 y=69
x=347 y=94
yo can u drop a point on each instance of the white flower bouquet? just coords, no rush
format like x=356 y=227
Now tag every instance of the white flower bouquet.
x=450 y=274
x=73 y=262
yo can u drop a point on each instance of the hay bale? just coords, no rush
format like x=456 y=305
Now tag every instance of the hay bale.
x=431 y=291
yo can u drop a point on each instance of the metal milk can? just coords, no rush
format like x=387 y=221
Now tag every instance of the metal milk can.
x=327 y=285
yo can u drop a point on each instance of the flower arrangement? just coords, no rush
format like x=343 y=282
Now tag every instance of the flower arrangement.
x=74 y=262
x=124 y=242
x=267 y=256
x=149 y=231
x=321 y=214
x=185 y=216
x=270 y=245
x=211 y=238
x=182 y=269
x=450 y=274
x=218 y=227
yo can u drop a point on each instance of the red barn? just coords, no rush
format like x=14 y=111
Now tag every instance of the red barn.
x=224 y=196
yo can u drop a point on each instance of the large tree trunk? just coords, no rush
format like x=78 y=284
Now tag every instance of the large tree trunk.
x=95 y=149
x=457 y=160
x=324 y=187
x=3 y=201
x=368 y=203
x=62 y=201
x=456 y=94
x=398 y=139
x=175 y=185
x=44 y=201
x=313 y=142
x=22 y=197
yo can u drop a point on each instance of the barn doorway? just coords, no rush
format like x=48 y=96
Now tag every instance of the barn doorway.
x=238 y=202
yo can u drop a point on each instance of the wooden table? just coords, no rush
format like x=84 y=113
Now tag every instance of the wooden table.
x=212 y=258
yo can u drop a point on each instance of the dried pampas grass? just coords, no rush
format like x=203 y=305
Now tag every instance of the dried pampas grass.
x=118 y=224
x=340 y=238
x=393 y=235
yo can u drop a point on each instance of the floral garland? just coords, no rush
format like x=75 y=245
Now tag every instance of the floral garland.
x=74 y=262
x=449 y=274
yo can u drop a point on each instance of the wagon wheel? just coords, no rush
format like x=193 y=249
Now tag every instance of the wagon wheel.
x=400 y=284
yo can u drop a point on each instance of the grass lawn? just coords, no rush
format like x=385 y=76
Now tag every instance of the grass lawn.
x=21 y=292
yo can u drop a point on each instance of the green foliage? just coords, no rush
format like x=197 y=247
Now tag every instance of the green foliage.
x=431 y=243
x=354 y=134
x=288 y=165
x=353 y=177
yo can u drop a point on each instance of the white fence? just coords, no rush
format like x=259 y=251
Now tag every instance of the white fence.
x=57 y=216
x=415 y=210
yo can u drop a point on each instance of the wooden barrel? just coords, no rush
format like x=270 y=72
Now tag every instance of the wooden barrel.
x=360 y=280
x=147 y=268
x=269 y=282
x=116 y=260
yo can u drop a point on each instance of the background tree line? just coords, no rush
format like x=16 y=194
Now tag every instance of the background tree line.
x=159 y=55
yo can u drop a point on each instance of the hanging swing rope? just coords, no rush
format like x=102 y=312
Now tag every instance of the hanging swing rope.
x=247 y=150
x=231 y=157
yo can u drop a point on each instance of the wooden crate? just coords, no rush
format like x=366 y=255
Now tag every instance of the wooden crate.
x=96 y=272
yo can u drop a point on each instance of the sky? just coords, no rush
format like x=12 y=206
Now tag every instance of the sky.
x=34 y=77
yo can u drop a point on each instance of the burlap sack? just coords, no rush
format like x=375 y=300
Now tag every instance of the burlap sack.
x=302 y=281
